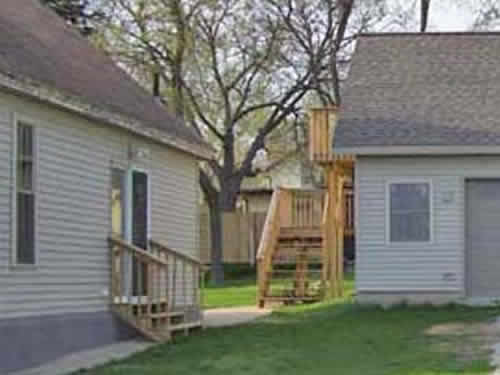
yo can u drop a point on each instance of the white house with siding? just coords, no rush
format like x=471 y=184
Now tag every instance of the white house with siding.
x=421 y=115
x=84 y=153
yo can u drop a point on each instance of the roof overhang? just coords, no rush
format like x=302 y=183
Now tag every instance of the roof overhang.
x=35 y=90
x=417 y=150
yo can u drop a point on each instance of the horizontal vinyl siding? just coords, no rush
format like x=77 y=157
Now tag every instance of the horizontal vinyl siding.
x=5 y=171
x=75 y=159
x=175 y=195
x=436 y=266
x=175 y=215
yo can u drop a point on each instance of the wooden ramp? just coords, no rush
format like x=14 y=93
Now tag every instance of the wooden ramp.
x=156 y=291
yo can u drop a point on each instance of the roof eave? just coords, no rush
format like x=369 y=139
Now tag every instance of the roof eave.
x=34 y=90
x=418 y=150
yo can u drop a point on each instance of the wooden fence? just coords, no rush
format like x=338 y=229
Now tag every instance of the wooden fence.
x=241 y=237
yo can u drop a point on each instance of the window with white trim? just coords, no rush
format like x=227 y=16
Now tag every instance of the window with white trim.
x=25 y=195
x=410 y=212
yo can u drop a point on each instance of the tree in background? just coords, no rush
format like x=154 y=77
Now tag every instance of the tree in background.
x=78 y=13
x=487 y=15
x=413 y=15
x=424 y=14
x=238 y=72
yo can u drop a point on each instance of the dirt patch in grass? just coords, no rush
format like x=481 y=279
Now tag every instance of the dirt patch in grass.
x=468 y=341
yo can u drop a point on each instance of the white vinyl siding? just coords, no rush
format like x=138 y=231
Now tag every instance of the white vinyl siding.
x=75 y=160
x=437 y=266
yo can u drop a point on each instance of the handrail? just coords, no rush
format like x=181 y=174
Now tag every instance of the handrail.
x=270 y=224
x=156 y=290
x=143 y=254
x=175 y=253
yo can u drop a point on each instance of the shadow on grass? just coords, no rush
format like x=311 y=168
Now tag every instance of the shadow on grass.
x=328 y=338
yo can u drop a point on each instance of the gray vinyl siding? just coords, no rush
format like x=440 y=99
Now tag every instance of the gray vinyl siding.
x=175 y=202
x=5 y=171
x=75 y=157
x=437 y=266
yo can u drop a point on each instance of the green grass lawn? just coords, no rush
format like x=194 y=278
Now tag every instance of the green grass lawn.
x=232 y=294
x=244 y=293
x=329 y=338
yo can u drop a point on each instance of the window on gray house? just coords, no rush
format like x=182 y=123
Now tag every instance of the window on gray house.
x=410 y=212
x=25 y=168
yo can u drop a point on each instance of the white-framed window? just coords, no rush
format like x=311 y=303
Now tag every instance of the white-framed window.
x=409 y=211
x=25 y=165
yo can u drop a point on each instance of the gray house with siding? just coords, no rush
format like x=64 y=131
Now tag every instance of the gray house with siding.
x=85 y=152
x=421 y=115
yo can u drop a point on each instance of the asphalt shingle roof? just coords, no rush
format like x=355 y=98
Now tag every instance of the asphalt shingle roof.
x=36 y=44
x=428 y=89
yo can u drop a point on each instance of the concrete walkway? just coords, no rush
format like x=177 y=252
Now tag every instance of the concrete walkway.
x=88 y=359
x=495 y=356
x=225 y=317
x=99 y=356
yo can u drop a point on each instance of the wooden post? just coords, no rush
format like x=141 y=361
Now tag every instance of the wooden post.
x=285 y=208
x=301 y=273
x=340 y=230
x=333 y=237
x=325 y=261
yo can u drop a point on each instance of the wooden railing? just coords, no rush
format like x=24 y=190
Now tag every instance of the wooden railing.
x=268 y=243
x=304 y=208
x=155 y=290
x=292 y=211
x=187 y=279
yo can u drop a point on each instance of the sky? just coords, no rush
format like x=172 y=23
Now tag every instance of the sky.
x=444 y=15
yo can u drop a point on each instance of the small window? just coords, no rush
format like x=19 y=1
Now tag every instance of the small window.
x=409 y=212
x=25 y=209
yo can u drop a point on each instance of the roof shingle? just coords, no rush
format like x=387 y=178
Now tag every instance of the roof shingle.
x=35 y=44
x=432 y=89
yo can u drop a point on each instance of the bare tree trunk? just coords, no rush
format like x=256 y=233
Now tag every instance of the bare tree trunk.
x=216 y=225
x=424 y=16
x=219 y=202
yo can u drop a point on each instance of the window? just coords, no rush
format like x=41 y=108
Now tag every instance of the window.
x=410 y=212
x=25 y=199
x=118 y=202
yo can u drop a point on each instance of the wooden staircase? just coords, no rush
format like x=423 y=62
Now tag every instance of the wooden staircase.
x=300 y=254
x=156 y=291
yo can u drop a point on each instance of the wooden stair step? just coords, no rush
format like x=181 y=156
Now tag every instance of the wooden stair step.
x=301 y=232
x=171 y=314
x=299 y=244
